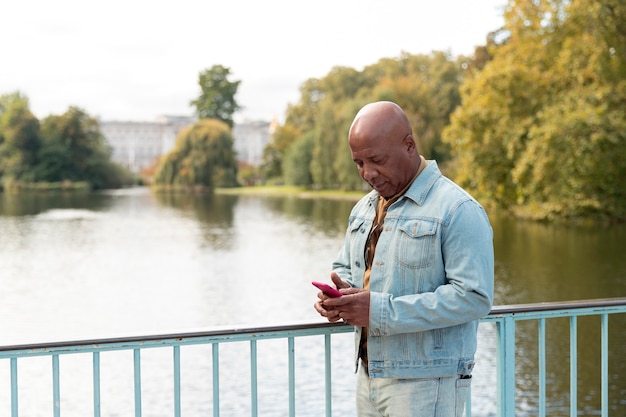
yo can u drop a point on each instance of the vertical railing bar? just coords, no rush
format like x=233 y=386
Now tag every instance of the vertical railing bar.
x=56 y=387
x=137 y=378
x=573 y=348
x=542 y=366
x=14 y=395
x=505 y=350
x=500 y=362
x=216 y=379
x=328 y=375
x=292 y=377
x=468 y=403
x=605 y=364
x=176 y=380
x=254 y=398
x=96 y=384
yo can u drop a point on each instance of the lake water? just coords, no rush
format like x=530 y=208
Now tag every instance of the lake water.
x=130 y=262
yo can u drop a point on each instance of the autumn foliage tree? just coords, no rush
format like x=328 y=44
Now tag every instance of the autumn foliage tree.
x=541 y=130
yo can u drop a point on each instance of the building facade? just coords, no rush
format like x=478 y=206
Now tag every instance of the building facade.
x=137 y=145
x=250 y=139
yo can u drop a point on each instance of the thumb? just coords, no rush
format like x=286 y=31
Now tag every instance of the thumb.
x=339 y=283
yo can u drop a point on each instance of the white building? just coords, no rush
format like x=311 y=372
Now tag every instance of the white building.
x=250 y=139
x=137 y=145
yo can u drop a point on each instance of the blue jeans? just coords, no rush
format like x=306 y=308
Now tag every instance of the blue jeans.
x=423 y=397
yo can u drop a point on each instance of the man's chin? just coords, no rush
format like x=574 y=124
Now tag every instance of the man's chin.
x=382 y=190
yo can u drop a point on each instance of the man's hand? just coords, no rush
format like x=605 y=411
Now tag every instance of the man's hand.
x=331 y=315
x=353 y=307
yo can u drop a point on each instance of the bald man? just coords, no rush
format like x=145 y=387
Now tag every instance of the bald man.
x=416 y=272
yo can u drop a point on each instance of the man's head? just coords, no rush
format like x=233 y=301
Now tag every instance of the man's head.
x=383 y=147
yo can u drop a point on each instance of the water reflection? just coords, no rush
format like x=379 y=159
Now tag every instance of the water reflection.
x=132 y=262
x=215 y=213
x=32 y=203
x=329 y=216
x=541 y=262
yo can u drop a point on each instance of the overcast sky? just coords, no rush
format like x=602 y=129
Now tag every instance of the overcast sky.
x=138 y=59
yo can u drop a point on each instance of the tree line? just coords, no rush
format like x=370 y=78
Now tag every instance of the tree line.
x=65 y=150
x=532 y=123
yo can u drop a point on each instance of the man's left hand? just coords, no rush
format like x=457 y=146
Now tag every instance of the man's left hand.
x=353 y=307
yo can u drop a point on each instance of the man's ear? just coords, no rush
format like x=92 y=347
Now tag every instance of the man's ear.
x=409 y=143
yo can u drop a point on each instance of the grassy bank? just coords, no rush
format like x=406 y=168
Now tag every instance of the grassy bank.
x=17 y=186
x=288 y=190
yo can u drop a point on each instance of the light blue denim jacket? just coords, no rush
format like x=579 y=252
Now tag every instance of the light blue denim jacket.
x=431 y=278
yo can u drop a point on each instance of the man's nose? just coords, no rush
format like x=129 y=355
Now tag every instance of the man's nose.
x=369 y=173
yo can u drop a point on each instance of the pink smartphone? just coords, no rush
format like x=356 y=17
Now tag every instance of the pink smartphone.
x=327 y=289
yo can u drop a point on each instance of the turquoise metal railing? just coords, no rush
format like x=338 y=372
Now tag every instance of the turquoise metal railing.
x=504 y=318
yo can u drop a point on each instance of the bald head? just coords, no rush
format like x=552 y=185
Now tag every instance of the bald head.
x=384 y=119
x=383 y=147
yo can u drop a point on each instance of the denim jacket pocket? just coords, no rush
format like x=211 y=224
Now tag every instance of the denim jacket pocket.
x=416 y=243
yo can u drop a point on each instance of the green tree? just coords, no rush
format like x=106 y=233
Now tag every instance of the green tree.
x=19 y=138
x=274 y=152
x=425 y=85
x=541 y=128
x=427 y=88
x=69 y=147
x=297 y=161
x=332 y=122
x=202 y=156
x=74 y=149
x=217 y=97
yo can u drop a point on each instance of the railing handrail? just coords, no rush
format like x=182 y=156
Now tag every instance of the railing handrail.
x=558 y=305
x=217 y=333
x=267 y=330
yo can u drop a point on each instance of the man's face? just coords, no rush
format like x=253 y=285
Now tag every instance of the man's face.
x=386 y=164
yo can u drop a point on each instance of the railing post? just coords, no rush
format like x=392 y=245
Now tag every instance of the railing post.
x=176 y=381
x=573 y=366
x=605 y=364
x=137 y=380
x=96 y=384
x=254 y=383
x=216 y=378
x=328 y=375
x=56 y=388
x=542 y=365
x=292 y=376
x=14 y=396
x=505 y=350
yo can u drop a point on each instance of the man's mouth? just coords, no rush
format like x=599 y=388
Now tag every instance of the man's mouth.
x=378 y=187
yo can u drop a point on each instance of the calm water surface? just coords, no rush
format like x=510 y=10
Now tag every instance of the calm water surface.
x=130 y=262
